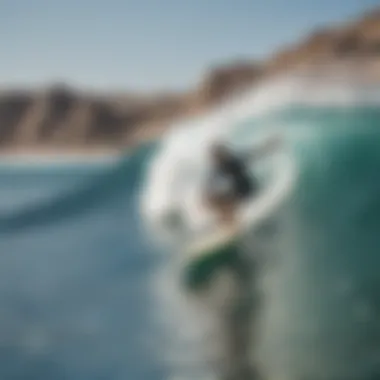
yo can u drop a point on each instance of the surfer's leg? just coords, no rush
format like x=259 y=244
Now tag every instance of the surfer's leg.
x=240 y=323
x=238 y=342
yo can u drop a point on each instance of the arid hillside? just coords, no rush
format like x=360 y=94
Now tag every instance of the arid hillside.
x=64 y=118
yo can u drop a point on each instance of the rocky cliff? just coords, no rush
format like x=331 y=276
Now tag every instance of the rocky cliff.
x=65 y=118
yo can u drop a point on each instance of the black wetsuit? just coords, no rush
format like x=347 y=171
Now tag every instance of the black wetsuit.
x=242 y=184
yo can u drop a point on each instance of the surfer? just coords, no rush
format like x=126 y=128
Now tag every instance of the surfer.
x=229 y=186
x=231 y=182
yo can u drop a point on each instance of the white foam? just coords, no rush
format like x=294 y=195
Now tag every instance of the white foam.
x=175 y=176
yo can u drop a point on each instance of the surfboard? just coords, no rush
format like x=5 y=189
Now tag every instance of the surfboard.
x=205 y=256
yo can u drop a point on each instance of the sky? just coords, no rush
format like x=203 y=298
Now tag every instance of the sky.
x=149 y=45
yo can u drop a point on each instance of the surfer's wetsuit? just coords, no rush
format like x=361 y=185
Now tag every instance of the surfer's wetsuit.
x=240 y=183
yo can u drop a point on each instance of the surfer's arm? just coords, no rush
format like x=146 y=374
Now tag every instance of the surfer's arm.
x=266 y=148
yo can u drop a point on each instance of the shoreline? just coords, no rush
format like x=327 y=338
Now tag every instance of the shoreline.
x=52 y=151
x=43 y=156
x=59 y=152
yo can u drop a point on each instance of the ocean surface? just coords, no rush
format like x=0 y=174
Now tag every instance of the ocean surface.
x=88 y=293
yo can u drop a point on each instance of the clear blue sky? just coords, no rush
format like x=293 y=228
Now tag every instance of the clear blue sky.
x=149 y=44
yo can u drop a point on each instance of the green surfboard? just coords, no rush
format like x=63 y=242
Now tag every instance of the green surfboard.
x=203 y=260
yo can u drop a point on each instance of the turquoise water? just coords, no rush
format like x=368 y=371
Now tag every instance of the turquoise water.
x=320 y=293
x=78 y=296
x=74 y=275
x=321 y=318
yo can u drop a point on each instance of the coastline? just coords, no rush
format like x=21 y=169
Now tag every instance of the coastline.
x=45 y=155
x=51 y=156
x=46 y=151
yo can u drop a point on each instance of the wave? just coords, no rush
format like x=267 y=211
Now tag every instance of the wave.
x=321 y=230
x=120 y=178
